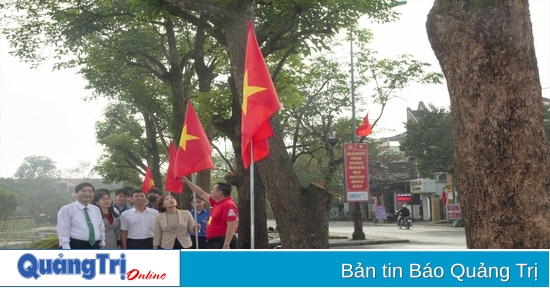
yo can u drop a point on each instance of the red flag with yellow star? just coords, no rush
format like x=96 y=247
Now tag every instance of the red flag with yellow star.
x=260 y=102
x=194 y=149
x=172 y=184
x=364 y=128
x=148 y=182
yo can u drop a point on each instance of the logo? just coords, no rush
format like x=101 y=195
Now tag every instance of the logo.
x=31 y=267
x=231 y=213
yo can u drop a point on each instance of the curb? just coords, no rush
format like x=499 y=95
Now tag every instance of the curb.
x=366 y=242
x=422 y=225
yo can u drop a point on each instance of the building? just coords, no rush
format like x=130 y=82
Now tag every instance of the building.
x=401 y=183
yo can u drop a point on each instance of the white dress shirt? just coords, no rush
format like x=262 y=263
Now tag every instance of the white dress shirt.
x=72 y=223
x=140 y=225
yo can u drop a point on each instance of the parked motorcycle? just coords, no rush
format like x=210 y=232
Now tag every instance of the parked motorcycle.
x=390 y=218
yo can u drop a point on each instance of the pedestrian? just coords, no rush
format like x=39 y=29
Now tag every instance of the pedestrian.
x=122 y=197
x=421 y=212
x=79 y=224
x=220 y=230
x=172 y=226
x=136 y=224
x=111 y=219
x=152 y=196
x=130 y=189
x=202 y=218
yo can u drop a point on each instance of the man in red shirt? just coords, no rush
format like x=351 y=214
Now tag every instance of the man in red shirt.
x=221 y=226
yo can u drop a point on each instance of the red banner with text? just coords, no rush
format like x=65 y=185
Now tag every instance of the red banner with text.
x=356 y=169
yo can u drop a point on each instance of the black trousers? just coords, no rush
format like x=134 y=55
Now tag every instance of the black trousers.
x=203 y=244
x=217 y=242
x=82 y=244
x=146 y=243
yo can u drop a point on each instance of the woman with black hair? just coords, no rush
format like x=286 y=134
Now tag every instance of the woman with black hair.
x=111 y=219
x=172 y=226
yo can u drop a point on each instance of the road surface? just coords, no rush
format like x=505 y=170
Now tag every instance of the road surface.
x=420 y=237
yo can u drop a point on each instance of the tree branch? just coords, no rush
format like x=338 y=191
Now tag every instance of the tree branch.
x=155 y=62
x=223 y=157
x=150 y=69
x=282 y=62
x=208 y=7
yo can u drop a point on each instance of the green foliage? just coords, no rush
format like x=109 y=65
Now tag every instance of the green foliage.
x=9 y=202
x=38 y=189
x=124 y=53
x=389 y=75
x=17 y=224
x=429 y=142
x=34 y=167
x=51 y=242
x=38 y=196
x=322 y=104
x=125 y=145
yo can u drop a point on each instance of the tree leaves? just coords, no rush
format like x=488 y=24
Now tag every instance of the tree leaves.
x=36 y=167
x=429 y=142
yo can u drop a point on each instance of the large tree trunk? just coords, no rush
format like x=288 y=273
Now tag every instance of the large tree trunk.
x=486 y=51
x=302 y=214
x=151 y=132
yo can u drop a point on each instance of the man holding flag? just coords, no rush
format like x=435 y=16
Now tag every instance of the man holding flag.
x=193 y=156
x=220 y=229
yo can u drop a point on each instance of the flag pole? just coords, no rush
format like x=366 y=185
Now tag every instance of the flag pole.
x=251 y=195
x=195 y=213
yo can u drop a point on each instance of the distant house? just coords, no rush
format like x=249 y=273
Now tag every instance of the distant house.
x=414 y=115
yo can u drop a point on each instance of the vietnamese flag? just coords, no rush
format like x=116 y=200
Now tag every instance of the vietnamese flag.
x=172 y=183
x=444 y=197
x=364 y=128
x=148 y=181
x=260 y=102
x=194 y=149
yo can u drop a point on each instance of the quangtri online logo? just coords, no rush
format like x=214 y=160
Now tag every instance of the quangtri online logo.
x=77 y=268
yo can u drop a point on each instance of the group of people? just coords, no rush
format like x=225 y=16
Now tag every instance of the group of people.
x=152 y=220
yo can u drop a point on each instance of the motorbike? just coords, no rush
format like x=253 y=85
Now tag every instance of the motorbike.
x=405 y=222
x=274 y=242
x=391 y=217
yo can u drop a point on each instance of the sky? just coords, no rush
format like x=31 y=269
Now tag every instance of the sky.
x=42 y=112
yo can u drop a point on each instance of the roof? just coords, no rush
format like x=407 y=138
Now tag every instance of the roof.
x=397 y=137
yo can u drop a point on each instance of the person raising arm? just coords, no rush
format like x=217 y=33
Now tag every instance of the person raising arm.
x=220 y=229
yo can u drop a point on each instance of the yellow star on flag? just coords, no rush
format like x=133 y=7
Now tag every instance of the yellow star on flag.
x=186 y=137
x=249 y=90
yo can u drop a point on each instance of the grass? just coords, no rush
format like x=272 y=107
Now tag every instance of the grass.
x=51 y=242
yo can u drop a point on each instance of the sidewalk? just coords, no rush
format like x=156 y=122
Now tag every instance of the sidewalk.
x=347 y=242
x=417 y=223
x=339 y=240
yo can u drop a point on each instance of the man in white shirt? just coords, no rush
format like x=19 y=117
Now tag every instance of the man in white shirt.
x=80 y=225
x=137 y=224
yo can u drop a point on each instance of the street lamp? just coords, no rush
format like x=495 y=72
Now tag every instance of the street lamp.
x=358 y=233
x=332 y=139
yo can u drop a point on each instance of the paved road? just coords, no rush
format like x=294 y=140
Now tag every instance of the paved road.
x=420 y=237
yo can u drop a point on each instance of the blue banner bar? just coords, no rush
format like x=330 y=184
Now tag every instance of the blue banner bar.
x=345 y=268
